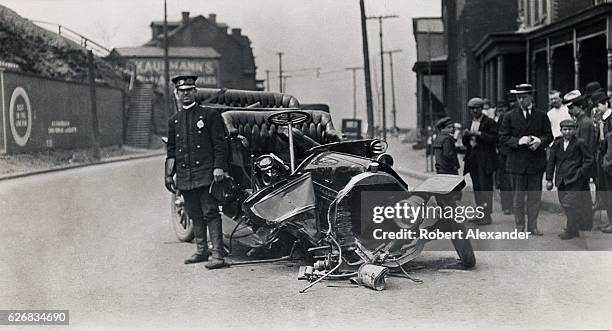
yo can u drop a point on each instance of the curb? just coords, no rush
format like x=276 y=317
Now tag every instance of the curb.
x=82 y=165
x=550 y=206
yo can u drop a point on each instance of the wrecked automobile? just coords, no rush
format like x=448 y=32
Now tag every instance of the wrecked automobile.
x=300 y=190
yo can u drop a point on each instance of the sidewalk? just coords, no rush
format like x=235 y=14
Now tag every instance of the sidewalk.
x=127 y=153
x=412 y=163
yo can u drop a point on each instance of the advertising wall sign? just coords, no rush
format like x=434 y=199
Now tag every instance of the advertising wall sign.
x=20 y=116
x=152 y=70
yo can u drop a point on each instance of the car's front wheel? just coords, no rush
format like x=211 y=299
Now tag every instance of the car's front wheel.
x=463 y=246
x=181 y=223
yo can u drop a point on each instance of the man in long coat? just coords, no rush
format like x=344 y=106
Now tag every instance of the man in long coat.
x=480 y=139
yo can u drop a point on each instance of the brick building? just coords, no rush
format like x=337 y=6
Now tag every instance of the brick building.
x=199 y=45
x=464 y=24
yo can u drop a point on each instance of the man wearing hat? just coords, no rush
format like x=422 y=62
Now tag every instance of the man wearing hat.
x=197 y=153
x=585 y=130
x=526 y=133
x=502 y=179
x=603 y=128
x=480 y=139
x=569 y=160
x=557 y=113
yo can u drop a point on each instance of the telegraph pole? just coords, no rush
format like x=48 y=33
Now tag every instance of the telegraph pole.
x=167 y=62
x=382 y=70
x=280 y=71
x=393 y=108
x=366 y=71
x=354 y=69
x=268 y=80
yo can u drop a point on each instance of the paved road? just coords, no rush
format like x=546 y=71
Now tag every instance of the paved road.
x=96 y=241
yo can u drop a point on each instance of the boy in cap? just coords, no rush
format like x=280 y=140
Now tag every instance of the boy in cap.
x=445 y=152
x=569 y=162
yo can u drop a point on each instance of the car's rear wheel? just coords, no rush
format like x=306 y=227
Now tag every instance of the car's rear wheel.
x=181 y=223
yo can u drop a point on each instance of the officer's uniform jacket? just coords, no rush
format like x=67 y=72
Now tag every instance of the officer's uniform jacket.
x=196 y=139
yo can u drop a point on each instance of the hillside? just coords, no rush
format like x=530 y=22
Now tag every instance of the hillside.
x=38 y=51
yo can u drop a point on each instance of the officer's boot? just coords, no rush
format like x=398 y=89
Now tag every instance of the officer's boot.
x=202 y=253
x=218 y=252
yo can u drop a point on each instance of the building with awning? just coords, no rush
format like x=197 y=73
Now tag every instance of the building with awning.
x=559 y=45
x=430 y=68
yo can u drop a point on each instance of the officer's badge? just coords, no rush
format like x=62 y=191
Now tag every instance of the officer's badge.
x=200 y=124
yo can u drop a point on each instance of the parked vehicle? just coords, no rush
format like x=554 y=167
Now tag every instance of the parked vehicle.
x=351 y=129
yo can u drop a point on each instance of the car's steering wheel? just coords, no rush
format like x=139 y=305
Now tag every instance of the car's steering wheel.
x=290 y=118
x=287 y=117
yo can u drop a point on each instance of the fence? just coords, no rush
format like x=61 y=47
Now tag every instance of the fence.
x=41 y=113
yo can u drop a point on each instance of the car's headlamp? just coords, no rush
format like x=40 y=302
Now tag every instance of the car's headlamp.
x=378 y=146
x=264 y=162
x=385 y=159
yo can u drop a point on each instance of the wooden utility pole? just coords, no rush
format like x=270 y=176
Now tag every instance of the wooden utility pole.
x=366 y=71
x=382 y=70
x=268 y=80
x=393 y=108
x=167 y=64
x=354 y=69
x=92 y=102
x=280 y=72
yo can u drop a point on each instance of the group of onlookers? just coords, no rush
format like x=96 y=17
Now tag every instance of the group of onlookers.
x=511 y=146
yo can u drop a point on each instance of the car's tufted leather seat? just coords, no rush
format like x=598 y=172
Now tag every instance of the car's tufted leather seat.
x=263 y=137
x=245 y=98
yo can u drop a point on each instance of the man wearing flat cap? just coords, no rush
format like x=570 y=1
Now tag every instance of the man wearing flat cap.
x=197 y=153
x=480 y=139
x=526 y=132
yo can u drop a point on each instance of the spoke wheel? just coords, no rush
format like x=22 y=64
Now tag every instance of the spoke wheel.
x=181 y=223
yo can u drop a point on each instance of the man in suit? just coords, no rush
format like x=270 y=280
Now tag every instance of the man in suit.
x=197 y=153
x=480 y=138
x=502 y=179
x=569 y=160
x=526 y=133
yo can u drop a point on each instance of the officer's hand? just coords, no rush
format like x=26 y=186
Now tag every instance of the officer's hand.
x=549 y=185
x=169 y=182
x=218 y=174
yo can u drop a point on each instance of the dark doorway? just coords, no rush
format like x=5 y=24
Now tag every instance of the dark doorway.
x=563 y=69
x=593 y=66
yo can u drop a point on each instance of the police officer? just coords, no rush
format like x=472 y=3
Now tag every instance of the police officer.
x=197 y=153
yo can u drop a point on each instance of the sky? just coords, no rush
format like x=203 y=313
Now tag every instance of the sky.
x=310 y=33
